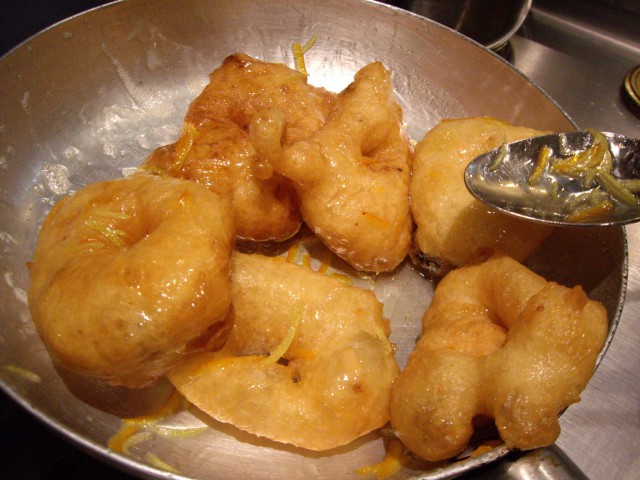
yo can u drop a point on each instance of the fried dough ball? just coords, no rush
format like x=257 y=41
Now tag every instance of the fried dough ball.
x=328 y=377
x=498 y=341
x=352 y=176
x=214 y=148
x=452 y=227
x=244 y=86
x=219 y=155
x=131 y=275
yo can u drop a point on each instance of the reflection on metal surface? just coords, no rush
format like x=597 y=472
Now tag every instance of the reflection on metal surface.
x=578 y=56
x=630 y=90
x=504 y=179
x=543 y=464
x=489 y=23
x=141 y=64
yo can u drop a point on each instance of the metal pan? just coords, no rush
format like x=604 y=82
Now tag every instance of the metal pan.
x=89 y=98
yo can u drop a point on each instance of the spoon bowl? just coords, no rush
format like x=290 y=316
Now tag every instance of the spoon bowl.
x=528 y=179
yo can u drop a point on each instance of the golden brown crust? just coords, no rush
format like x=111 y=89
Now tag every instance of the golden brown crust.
x=244 y=86
x=130 y=275
x=352 y=175
x=498 y=341
x=452 y=227
x=431 y=267
x=215 y=149
x=332 y=384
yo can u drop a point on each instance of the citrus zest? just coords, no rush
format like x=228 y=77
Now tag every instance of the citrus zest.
x=392 y=463
x=591 y=211
x=156 y=461
x=542 y=162
x=298 y=54
x=23 y=372
x=284 y=345
x=183 y=146
x=113 y=235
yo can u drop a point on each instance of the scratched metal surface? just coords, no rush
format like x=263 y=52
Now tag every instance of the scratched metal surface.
x=579 y=57
x=89 y=98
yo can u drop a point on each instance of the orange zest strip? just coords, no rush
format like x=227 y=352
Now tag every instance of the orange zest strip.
x=173 y=405
x=117 y=441
x=391 y=464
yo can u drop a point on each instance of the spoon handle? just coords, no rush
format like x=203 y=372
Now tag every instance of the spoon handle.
x=549 y=463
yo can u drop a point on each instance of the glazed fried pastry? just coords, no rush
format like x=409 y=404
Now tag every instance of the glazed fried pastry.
x=308 y=361
x=214 y=148
x=452 y=227
x=131 y=275
x=352 y=175
x=498 y=341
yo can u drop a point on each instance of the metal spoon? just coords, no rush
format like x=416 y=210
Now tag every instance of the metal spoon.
x=529 y=178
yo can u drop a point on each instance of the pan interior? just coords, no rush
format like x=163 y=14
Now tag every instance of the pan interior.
x=88 y=100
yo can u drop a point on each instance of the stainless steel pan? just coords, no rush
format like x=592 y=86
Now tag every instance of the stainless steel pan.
x=89 y=98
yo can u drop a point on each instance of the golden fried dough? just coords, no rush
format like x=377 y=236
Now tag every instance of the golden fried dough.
x=352 y=175
x=131 y=275
x=244 y=86
x=221 y=157
x=452 y=227
x=327 y=388
x=214 y=148
x=498 y=341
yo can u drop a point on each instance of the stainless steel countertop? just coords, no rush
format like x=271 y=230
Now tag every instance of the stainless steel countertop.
x=580 y=63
